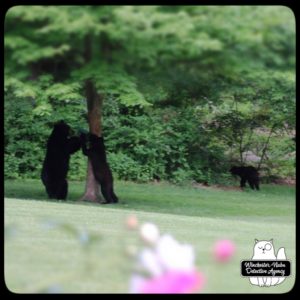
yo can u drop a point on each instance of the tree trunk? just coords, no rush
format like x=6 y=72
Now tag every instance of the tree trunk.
x=265 y=147
x=91 y=187
x=94 y=105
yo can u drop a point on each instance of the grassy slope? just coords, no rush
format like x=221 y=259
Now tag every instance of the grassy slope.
x=35 y=257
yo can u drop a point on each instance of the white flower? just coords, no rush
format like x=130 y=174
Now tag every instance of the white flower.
x=150 y=262
x=165 y=265
x=175 y=256
x=167 y=255
x=135 y=283
x=149 y=233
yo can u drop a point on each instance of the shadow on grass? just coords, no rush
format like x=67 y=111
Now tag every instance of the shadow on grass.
x=166 y=198
x=35 y=190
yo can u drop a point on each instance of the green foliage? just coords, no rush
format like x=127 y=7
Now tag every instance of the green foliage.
x=112 y=80
x=124 y=166
x=78 y=167
x=186 y=89
x=161 y=144
x=281 y=156
x=26 y=134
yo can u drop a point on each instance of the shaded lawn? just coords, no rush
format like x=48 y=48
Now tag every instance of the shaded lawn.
x=273 y=200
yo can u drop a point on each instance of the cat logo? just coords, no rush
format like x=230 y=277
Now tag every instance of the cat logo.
x=266 y=268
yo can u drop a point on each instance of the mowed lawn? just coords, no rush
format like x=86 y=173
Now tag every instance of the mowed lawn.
x=43 y=258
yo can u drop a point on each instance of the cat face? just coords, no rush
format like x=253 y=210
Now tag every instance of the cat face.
x=264 y=249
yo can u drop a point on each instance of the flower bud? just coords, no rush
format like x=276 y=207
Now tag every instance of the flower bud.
x=131 y=222
x=149 y=233
x=223 y=250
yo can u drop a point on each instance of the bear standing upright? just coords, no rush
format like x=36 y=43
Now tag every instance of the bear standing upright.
x=96 y=153
x=60 y=146
x=249 y=174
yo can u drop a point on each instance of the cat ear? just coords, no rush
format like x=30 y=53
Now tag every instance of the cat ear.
x=271 y=241
x=256 y=241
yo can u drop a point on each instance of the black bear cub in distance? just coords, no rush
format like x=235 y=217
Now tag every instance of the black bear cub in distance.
x=249 y=174
x=93 y=147
x=55 y=168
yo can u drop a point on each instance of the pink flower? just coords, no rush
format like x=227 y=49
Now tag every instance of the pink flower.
x=173 y=282
x=165 y=266
x=223 y=250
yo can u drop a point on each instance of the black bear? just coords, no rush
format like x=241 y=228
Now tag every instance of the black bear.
x=60 y=146
x=249 y=174
x=93 y=147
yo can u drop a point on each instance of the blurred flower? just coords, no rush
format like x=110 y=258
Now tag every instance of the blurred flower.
x=83 y=237
x=167 y=255
x=165 y=267
x=149 y=261
x=149 y=233
x=135 y=284
x=52 y=289
x=223 y=250
x=175 y=256
x=132 y=222
x=173 y=282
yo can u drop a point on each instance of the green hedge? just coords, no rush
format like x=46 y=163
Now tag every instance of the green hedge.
x=142 y=145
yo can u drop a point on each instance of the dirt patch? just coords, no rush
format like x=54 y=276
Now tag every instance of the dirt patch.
x=217 y=187
x=286 y=181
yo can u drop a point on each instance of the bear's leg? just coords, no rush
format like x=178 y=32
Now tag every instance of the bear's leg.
x=256 y=184
x=113 y=196
x=51 y=188
x=51 y=191
x=105 y=193
x=107 y=185
x=108 y=193
x=251 y=183
x=243 y=182
x=62 y=190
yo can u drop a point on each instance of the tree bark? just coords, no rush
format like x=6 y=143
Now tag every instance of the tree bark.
x=94 y=105
x=265 y=147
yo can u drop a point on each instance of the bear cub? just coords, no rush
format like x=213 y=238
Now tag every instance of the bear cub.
x=93 y=147
x=247 y=173
x=60 y=146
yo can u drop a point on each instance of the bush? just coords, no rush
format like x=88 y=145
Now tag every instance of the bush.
x=25 y=139
x=142 y=144
x=181 y=176
x=124 y=167
x=78 y=166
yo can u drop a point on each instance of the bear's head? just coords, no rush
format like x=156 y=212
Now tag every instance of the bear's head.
x=96 y=141
x=61 y=129
x=235 y=170
x=92 y=141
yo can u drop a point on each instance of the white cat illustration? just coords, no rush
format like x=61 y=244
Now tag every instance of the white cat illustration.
x=264 y=250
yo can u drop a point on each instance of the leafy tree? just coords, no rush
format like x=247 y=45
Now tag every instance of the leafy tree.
x=93 y=46
x=235 y=63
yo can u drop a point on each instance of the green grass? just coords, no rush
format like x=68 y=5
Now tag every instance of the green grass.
x=36 y=258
